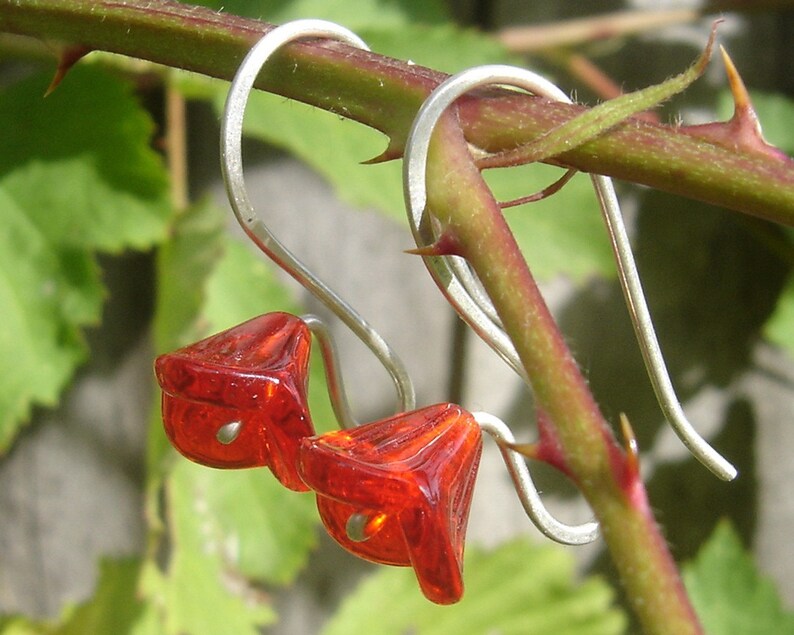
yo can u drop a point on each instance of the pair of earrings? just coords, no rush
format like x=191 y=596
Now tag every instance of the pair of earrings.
x=395 y=491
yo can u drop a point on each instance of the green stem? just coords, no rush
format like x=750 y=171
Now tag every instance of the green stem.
x=385 y=93
x=460 y=199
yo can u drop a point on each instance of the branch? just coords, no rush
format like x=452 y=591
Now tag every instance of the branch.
x=578 y=31
x=607 y=475
x=385 y=94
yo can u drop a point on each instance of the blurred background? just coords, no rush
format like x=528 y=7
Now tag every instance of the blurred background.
x=72 y=483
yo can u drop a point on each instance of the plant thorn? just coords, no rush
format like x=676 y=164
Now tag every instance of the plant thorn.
x=743 y=130
x=392 y=151
x=67 y=58
x=631 y=447
x=446 y=245
x=544 y=193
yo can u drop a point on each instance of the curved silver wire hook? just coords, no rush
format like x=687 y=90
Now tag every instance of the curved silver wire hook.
x=258 y=232
x=526 y=490
x=454 y=278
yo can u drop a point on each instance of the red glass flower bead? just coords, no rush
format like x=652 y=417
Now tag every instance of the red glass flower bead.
x=398 y=491
x=238 y=398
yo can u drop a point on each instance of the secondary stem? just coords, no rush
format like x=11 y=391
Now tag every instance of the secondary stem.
x=460 y=199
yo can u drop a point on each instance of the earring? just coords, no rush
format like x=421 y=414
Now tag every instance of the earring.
x=457 y=281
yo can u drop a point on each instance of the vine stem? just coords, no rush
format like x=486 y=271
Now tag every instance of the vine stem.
x=607 y=474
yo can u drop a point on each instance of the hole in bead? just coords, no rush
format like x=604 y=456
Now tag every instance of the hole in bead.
x=361 y=527
x=229 y=432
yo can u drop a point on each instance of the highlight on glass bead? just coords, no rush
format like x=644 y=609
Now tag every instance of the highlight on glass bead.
x=238 y=398
x=398 y=491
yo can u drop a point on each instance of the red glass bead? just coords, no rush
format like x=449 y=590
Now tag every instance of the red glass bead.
x=398 y=491
x=238 y=398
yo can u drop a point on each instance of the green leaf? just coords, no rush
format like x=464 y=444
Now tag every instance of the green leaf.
x=267 y=529
x=601 y=118
x=729 y=594
x=20 y=625
x=443 y=47
x=183 y=265
x=82 y=167
x=45 y=294
x=241 y=286
x=518 y=588
x=200 y=590
x=115 y=607
x=78 y=176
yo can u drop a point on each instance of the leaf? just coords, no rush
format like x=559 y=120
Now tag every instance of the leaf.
x=267 y=530
x=729 y=594
x=200 y=591
x=114 y=608
x=19 y=625
x=183 y=265
x=82 y=167
x=562 y=234
x=518 y=588
x=78 y=176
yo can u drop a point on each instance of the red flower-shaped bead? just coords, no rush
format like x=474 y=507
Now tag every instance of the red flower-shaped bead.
x=398 y=491
x=238 y=398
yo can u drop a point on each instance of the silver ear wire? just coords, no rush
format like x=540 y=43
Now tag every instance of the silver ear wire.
x=526 y=490
x=258 y=232
x=455 y=279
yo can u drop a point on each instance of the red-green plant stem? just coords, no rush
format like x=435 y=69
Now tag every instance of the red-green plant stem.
x=385 y=93
x=460 y=199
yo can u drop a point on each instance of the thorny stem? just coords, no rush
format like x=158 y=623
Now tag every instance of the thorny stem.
x=385 y=94
x=460 y=199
